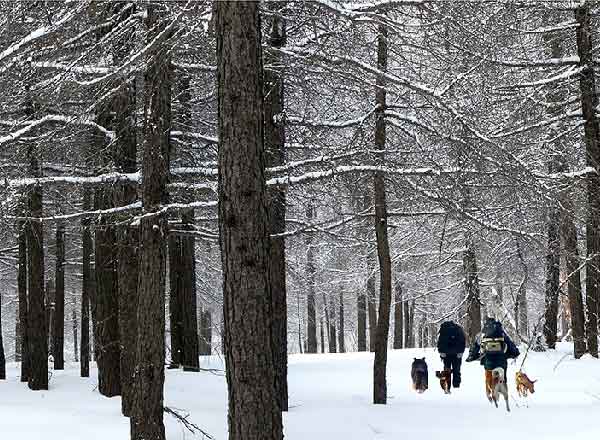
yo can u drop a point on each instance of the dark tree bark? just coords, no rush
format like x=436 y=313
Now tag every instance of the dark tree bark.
x=175 y=300
x=124 y=157
x=49 y=305
x=85 y=288
x=407 y=326
x=473 y=315
x=146 y=418
x=521 y=315
x=18 y=337
x=322 y=327
x=361 y=306
x=341 y=333
x=36 y=318
x=589 y=104
x=23 y=307
x=206 y=332
x=2 y=355
x=311 y=316
x=275 y=156
x=383 y=248
x=371 y=301
x=398 y=316
x=332 y=335
x=254 y=411
x=552 y=277
x=75 y=335
x=569 y=237
x=189 y=328
x=106 y=301
x=58 y=323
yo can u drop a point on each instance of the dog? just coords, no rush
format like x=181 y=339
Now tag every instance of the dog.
x=444 y=377
x=419 y=375
x=496 y=385
x=524 y=384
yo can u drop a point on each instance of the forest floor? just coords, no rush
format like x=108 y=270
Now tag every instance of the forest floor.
x=330 y=398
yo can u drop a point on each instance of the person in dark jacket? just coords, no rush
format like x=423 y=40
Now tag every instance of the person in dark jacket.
x=451 y=346
x=493 y=347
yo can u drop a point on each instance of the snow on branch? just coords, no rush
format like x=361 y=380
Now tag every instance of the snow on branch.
x=295 y=120
x=31 y=125
x=44 y=31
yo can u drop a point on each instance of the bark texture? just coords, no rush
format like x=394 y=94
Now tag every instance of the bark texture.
x=311 y=311
x=23 y=303
x=589 y=103
x=398 y=316
x=275 y=156
x=471 y=283
x=254 y=411
x=146 y=418
x=86 y=286
x=37 y=331
x=58 y=323
x=381 y=232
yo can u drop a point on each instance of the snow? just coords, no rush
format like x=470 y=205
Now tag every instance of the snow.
x=330 y=398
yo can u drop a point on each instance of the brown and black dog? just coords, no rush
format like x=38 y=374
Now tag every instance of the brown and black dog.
x=444 y=377
x=524 y=384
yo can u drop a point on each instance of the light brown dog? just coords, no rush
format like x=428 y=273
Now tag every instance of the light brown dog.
x=444 y=377
x=524 y=384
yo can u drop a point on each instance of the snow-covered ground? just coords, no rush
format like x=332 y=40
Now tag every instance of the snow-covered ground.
x=330 y=398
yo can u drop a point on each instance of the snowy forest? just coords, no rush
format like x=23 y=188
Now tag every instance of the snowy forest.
x=201 y=201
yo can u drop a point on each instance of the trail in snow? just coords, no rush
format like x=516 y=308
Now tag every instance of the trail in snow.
x=330 y=398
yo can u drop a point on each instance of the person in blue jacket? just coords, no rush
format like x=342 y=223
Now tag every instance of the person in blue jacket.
x=493 y=347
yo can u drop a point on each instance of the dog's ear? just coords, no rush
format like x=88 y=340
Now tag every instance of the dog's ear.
x=415 y=359
x=423 y=359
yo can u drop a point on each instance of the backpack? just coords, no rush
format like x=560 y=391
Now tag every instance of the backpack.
x=451 y=339
x=492 y=338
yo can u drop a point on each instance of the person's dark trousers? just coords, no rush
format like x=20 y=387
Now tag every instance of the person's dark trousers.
x=452 y=362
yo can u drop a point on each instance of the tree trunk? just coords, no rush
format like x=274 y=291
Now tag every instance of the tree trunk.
x=23 y=306
x=371 y=302
x=254 y=411
x=341 y=334
x=36 y=316
x=18 y=336
x=398 y=318
x=175 y=301
x=471 y=282
x=125 y=193
x=275 y=156
x=146 y=418
x=311 y=311
x=361 y=306
x=2 y=356
x=521 y=315
x=407 y=327
x=569 y=237
x=322 y=334
x=554 y=97
x=86 y=286
x=106 y=301
x=330 y=325
x=206 y=332
x=552 y=277
x=75 y=335
x=58 y=323
x=383 y=248
x=589 y=103
x=189 y=328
